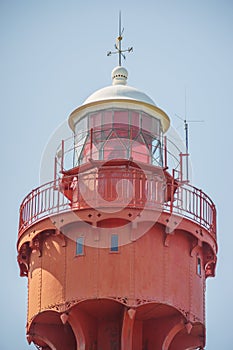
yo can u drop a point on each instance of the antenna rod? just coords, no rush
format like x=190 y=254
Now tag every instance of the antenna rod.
x=187 y=148
x=186 y=136
x=185 y=121
x=186 y=124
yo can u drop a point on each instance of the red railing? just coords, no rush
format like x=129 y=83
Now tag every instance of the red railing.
x=136 y=191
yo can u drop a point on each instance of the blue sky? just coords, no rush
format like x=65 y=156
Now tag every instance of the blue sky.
x=53 y=55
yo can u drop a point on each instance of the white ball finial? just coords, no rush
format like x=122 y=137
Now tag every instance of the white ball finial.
x=119 y=76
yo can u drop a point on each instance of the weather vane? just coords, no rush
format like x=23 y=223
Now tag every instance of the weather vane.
x=118 y=48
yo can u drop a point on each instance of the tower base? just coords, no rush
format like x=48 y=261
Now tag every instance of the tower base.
x=105 y=324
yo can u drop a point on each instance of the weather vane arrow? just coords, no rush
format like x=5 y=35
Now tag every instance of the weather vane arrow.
x=118 y=48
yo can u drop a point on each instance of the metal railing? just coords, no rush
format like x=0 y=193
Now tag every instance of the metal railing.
x=123 y=188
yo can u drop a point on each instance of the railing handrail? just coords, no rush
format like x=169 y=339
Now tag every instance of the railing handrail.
x=48 y=199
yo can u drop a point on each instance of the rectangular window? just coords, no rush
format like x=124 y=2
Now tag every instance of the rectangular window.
x=80 y=246
x=114 y=243
x=199 y=266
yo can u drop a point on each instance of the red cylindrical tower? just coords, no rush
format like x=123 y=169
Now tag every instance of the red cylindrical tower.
x=117 y=248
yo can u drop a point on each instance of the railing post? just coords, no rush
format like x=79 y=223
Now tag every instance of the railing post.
x=62 y=155
x=165 y=151
x=32 y=205
x=55 y=170
x=129 y=150
x=58 y=197
x=201 y=199
x=73 y=149
x=172 y=192
x=214 y=219
x=91 y=143
x=181 y=167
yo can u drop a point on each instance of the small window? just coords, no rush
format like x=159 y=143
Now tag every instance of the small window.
x=80 y=246
x=114 y=243
x=198 y=266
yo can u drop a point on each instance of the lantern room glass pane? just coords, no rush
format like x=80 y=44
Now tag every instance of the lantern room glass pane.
x=82 y=125
x=156 y=127
x=107 y=119
x=135 y=119
x=95 y=120
x=114 y=149
x=121 y=123
x=121 y=117
x=146 y=122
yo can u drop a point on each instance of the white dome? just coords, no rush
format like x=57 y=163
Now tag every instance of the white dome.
x=119 y=90
x=119 y=95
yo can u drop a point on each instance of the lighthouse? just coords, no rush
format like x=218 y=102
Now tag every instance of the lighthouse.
x=117 y=247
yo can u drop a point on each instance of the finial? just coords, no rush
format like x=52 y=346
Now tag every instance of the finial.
x=119 y=76
x=119 y=51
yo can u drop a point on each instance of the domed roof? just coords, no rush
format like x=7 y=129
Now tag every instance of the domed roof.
x=119 y=90
x=119 y=95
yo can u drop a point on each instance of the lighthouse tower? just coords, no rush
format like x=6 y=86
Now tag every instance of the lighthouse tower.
x=118 y=246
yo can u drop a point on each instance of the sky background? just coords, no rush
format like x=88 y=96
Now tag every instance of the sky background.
x=53 y=56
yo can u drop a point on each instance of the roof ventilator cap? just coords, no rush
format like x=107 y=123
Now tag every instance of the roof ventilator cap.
x=119 y=76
